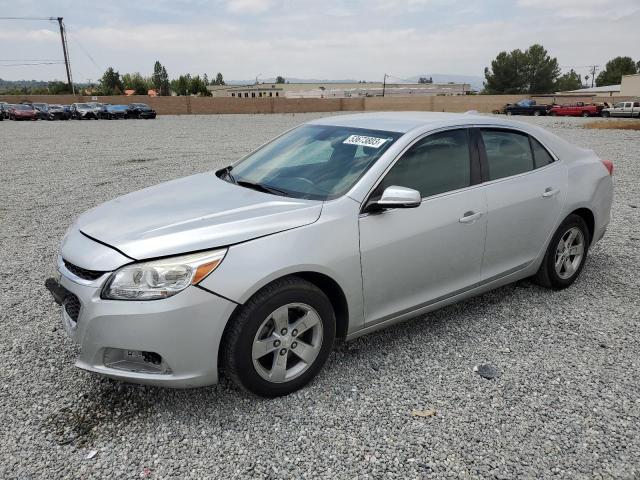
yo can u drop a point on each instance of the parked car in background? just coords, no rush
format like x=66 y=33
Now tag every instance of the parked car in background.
x=114 y=112
x=84 y=111
x=22 y=112
x=58 y=112
x=579 y=109
x=4 y=109
x=42 y=109
x=334 y=229
x=526 y=107
x=140 y=110
x=623 y=109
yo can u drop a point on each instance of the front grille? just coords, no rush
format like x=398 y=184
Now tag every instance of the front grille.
x=82 y=272
x=72 y=306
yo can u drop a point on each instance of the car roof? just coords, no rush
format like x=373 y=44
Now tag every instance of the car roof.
x=421 y=122
x=403 y=122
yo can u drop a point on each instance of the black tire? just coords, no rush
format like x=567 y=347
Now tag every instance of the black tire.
x=537 y=113
x=606 y=114
x=553 y=114
x=547 y=275
x=586 y=114
x=237 y=342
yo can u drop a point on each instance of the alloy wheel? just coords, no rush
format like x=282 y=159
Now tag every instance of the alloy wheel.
x=287 y=342
x=569 y=253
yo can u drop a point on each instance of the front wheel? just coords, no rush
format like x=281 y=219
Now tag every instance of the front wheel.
x=566 y=254
x=606 y=114
x=585 y=114
x=536 y=113
x=280 y=339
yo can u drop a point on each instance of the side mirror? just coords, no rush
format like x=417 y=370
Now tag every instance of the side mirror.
x=396 y=197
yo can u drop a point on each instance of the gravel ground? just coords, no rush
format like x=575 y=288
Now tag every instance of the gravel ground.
x=567 y=402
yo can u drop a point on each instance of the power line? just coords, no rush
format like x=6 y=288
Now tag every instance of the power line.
x=31 y=64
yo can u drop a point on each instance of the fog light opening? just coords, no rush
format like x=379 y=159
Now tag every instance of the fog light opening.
x=138 y=361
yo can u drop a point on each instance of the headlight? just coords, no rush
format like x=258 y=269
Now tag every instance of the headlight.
x=161 y=278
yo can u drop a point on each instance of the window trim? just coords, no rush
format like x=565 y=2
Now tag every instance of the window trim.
x=475 y=177
x=484 y=164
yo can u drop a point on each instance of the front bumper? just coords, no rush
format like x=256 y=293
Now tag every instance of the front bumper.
x=171 y=342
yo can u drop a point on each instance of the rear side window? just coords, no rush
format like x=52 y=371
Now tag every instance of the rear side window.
x=508 y=153
x=541 y=156
x=436 y=164
x=636 y=104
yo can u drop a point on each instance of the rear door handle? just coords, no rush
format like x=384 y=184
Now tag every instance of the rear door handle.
x=550 y=192
x=470 y=216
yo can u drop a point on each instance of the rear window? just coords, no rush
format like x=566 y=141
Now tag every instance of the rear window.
x=541 y=156
x=508 y=153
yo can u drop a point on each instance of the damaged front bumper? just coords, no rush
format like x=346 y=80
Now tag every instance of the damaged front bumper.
x=171 y=342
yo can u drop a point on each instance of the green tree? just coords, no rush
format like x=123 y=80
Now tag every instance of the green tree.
x=219 y=79
x=181 y=85
x=532 y=71
x=198 y=86
x=110 y=83
x=615 y=69
x=136 y=82
x=164 y=83
x=569 y=81
x=58 y=88
x=156 y=78
x=279 y=79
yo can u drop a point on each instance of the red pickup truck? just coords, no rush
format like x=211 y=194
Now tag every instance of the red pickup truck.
x=579 y=109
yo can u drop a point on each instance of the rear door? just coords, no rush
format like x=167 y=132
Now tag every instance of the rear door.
x=525 y=186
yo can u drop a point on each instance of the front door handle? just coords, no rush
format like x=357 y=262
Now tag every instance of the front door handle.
x=470 y=217
x=550 y=192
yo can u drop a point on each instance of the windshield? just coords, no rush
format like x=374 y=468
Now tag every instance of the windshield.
x=315 y=161
x=82 y=105
x=23 y=107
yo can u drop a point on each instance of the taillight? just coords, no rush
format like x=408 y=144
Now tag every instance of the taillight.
x=609 y=165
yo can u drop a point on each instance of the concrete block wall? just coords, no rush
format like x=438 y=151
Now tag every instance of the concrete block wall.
x=228 y=105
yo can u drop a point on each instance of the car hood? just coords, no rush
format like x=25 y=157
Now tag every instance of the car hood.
x=192 y=213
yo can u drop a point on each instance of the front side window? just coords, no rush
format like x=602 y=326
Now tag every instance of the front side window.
x=315 y=161
x=436 y=164
x=618 y=105
x=508 y=153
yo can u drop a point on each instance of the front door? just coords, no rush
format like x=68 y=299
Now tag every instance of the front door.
x=414 y=256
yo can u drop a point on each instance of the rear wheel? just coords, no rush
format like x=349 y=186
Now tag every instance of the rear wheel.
x=509 y=112
x=280 y=339
x=536 y=113
x=606 y=114
x=585 y=114
x=565 y=255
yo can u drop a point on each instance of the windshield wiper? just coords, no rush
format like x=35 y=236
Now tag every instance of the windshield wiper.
x=262 y=188
x=227 y=172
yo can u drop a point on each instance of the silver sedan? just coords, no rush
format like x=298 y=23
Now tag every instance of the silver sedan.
x=336 y=228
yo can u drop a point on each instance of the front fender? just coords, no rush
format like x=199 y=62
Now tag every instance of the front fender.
x=330 y=246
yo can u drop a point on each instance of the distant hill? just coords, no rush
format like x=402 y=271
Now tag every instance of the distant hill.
x=11 y=84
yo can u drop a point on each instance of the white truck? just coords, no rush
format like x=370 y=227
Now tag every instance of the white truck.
x=623 y=109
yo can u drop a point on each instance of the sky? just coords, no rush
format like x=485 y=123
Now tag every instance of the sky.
x=320 y=39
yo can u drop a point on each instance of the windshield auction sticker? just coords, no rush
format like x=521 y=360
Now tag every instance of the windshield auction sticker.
x=363 y=141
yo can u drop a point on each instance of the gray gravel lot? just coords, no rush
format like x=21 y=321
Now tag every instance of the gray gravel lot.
x=567 y=403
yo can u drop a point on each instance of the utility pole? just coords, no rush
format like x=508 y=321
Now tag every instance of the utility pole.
x=384 y=84
x=592 y=70
x=65 y=51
